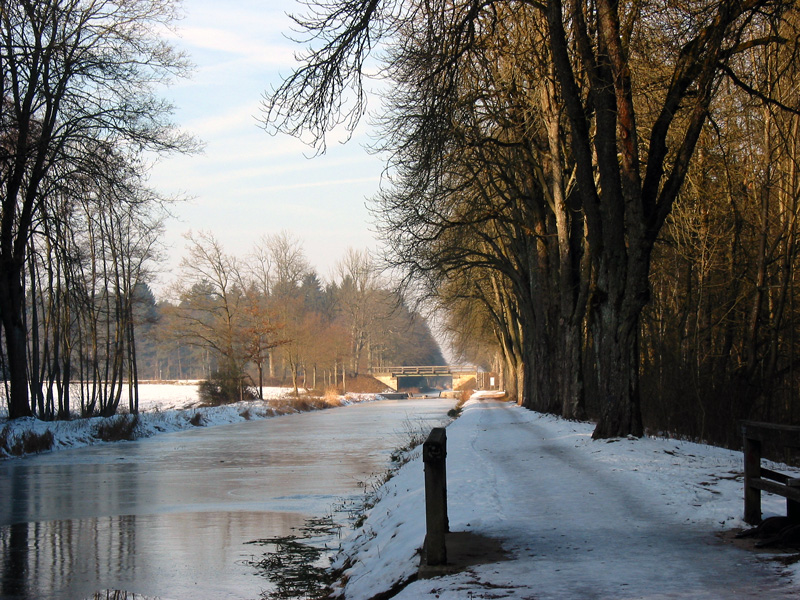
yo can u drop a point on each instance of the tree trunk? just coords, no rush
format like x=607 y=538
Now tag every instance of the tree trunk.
x=293 y=368
x=271 y=360
x=66 y=375
x=133 y=366
x=541 y=368
x=616 y=347
x=37 y=378
x=12 y=307
x=570 y=380
x=572 y=276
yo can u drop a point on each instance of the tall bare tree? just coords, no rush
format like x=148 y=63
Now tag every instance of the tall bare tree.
x=359 y=300
x=73 y=71
x=216 y=315
x=719 y=335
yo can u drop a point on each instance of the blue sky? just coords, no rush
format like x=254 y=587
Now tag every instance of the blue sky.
x=247 y=183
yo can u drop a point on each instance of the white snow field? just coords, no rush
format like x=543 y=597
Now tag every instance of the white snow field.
x=577 y=518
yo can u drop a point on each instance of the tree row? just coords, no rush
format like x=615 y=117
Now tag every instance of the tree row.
x=603 y=191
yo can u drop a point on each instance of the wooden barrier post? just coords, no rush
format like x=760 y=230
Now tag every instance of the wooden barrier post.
x=793 y=506
x=758 y=478
x=434 y=454
x=752 y=471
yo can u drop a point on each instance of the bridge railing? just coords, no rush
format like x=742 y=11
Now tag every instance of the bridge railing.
x=421 y=370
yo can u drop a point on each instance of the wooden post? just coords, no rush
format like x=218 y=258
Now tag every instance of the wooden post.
x=752 y=470
x=792 y=506
x=434 y=454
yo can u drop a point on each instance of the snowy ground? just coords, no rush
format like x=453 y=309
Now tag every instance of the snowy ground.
x=577 y=518
x=163 y=408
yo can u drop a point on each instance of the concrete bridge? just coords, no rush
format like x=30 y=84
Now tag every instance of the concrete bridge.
x=424 y=377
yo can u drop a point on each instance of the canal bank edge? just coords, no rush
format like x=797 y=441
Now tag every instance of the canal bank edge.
x=401 y=484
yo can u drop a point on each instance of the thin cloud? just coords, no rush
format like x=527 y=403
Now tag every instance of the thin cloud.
x=314 y=184
x=240 y=51
x=230 y=42
x=227 y=122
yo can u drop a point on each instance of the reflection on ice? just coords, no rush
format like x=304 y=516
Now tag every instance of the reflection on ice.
x=121 y=595
x=72 y=559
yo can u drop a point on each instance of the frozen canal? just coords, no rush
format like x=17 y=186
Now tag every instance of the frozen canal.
x=170 y=516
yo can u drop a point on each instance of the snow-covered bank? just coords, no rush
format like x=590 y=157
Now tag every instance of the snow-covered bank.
x=163 y=408
x=577 y=518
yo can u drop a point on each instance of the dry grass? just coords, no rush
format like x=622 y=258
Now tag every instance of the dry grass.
x=115 y=429
x=284 y=406
x=307 y=403
x=27 y=443
x=462 y=400
x=413 y=433
x=329 y=399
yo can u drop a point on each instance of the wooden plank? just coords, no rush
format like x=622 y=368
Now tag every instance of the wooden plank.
x=782 y=435
x=775 y=476
x=434 y=455
x=778 y=489
x=793 y=510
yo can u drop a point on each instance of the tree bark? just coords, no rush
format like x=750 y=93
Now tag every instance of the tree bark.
x=12 y=309
x=616 y=349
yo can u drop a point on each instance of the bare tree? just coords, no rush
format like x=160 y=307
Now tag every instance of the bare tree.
x=359 y=300
x=214 y=314
x=72 y=72
x=262 y=332
x=719 y=335
x=279 y=265
x=88 y=252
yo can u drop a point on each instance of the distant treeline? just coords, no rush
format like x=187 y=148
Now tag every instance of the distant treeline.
x=239 y=323
x=270 y=317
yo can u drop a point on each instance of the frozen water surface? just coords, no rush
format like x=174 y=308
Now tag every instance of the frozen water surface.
x=170 y=516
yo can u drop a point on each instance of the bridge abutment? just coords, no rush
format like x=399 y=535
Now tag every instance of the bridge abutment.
x=428 y=377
